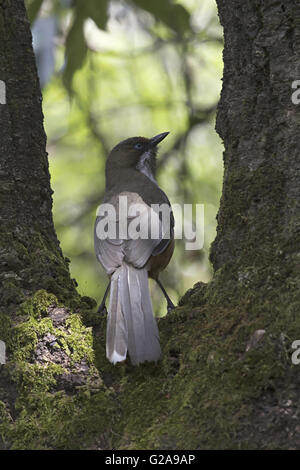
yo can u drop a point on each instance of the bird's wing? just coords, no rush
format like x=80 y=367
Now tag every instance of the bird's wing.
x=146 y=233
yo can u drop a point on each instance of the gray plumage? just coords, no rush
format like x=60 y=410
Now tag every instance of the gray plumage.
x=131 y=326
x=127 y=259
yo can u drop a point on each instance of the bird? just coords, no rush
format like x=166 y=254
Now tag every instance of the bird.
x=129 y=260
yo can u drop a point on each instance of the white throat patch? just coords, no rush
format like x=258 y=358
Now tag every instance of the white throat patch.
x=144 y=166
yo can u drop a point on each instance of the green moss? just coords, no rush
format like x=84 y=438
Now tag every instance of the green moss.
x=80 y=342
x=38 y=304
x=203 y=394
x=11 y=291
x=205 y=391
x=34 y=262
x=61 y=399
x=59 y=421
x=5 y=325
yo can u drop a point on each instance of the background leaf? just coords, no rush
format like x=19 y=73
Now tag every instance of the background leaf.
x=173 y=15
x=97 y=11
x=33 y=8
x=76 y=47
x=76 y=50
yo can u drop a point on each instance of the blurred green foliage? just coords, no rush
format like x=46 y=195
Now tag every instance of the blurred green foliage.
x=138 y=68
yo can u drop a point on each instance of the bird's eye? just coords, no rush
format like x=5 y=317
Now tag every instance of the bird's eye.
x=138 y=146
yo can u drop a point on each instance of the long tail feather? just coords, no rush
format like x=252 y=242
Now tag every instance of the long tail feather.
x=116 y=331
x=131 y=324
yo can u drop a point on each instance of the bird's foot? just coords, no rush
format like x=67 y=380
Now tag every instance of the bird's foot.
x=170 y=307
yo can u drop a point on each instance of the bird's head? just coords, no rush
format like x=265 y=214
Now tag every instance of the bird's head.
x=136 y=152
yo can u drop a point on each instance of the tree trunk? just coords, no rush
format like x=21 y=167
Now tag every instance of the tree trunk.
x=47 y=348
x=226 y=379
x=30 y=255
x=258 y=230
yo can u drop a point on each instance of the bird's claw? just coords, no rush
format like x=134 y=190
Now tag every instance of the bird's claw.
x=170 y=307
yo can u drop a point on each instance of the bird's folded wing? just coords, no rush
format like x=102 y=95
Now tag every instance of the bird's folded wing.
x=145 y=234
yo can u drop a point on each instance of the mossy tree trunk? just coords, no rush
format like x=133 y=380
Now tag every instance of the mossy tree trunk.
x=30 y=253
x=258 y=230
x=43 y=339
x=226 y=379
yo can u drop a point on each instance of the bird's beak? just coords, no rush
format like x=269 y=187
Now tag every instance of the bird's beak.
x=157 y=139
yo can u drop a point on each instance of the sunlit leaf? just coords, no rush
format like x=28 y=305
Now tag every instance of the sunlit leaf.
x=33 y=8
x=76 y=50
x=173 y=15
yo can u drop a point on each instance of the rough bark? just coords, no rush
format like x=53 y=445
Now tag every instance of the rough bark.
x=30 y=253
x=258 y=230
x=226 y=379
x=32 y=267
